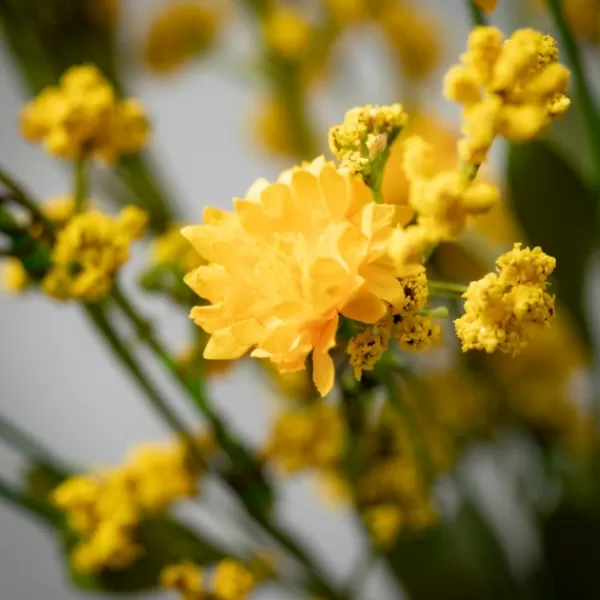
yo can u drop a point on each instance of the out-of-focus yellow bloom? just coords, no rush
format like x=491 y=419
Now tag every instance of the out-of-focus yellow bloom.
x=273 y=127
x=512 y=88
x=105 y=508
x=384 y=522
x=15 y=279
x=502 y=309
x=287 y=33
x=232 y=581
x=309 y=438
x=414 y=37
x=89 y=251
x=487 y=6
x=395 y=187
x=292 y=257
x=186 y=578
x=173 y=249
x=183 y=31
x=365 y=135
x=58 y=210
x=82 y=118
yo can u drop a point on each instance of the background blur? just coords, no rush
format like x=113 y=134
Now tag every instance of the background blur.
x=56 y=379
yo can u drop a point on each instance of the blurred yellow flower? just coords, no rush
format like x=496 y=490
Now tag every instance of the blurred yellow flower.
x=292 y=258
x=287 y=33
x=487 y=6
x=186 y=578
x=172 y=249
x=182 y=32
x=273 y=127
x=584 y=17
x=15 y=278
x=82 y=118
x=232 y=581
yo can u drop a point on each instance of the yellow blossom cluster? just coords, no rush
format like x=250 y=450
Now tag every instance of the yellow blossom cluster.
x=104 y=509
x=286 y=32
x=184 y=30
x=512 y=88
x=292 y=258
x=391 y=490
x=82 y=118
x=306 y=438
x=230 y=581
x=365 y=135
x=503 y=308
x=404 y=322
x=89 y=251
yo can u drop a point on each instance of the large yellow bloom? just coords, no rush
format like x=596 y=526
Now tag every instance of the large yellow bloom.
x=290 y=259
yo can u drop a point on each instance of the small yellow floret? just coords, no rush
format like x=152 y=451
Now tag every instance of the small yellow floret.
x=232 y=581
x=287 y=33
x=185 y=577
x=15 y=279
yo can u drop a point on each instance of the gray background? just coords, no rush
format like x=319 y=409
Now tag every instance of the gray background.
x=56 y=379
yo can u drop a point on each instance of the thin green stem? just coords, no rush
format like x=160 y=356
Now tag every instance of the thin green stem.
x=23 y=502
x=583 y=88
x=80 y=184
x=446 y=288
x=28 y=447
x=476 y=13
x=24 y=199
x=97 y=316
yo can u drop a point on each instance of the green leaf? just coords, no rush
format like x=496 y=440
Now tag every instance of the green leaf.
x=41 y=480
x=557 y=211
x=165 y=542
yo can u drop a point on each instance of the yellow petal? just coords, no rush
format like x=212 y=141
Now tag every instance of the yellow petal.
x=276 y=200
x=256 y=189
x=334 y=191
x=223 y=345
x=323 y=372
x=202 y=238
x=249 y=332
x=365 y=307
x=209 y=281
x=210 y=318
x=326 y=340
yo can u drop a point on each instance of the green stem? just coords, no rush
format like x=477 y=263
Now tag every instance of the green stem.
x=582 y=85
x=97 y=316
x=476 y=13
x=445 y=288
x=25 y=200
x=80 y=184
x=23 y=502
x=28 y=447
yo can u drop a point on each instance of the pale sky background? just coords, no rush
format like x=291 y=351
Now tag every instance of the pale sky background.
x=58 y=382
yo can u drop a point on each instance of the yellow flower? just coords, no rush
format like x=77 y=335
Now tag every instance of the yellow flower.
x=312 y=438
x=232 y=581
x=487 y=6
x=366 y=348
x=82 y=118
x=502 y=310
x=414 y=37
x=88 y=253
x=287 y=33
x=384 y=522
x=347 y=11
x=273 y=127
x=186 y=578
x=292 y=258
x=15 y=279
x=183 y=31
x=172 y=249
x=512 y=89
x=417 y=333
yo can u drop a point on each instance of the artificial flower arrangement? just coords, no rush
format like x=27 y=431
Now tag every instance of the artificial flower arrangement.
x=343 y=282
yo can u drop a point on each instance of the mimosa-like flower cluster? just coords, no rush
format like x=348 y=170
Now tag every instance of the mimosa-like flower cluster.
x=83 y=118
x=512 y=88
x=503 y=308
x=105 y=508
x=89 y=251
x=230 y=581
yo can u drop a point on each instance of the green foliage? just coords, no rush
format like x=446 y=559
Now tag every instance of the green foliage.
x=557 y=211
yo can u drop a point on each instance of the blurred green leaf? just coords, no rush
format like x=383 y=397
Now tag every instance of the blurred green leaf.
x=165 y=542
x=41 y=480
x=557 y=211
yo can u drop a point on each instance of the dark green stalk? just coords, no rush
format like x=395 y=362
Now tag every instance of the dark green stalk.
x=476 y=13
x=28 y=447
x=97 y=316
x=43 y=511
x=24 y=199
x=583 y=89
x=80 y=184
